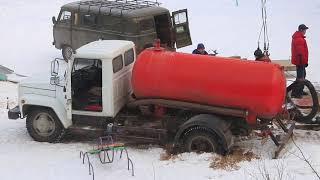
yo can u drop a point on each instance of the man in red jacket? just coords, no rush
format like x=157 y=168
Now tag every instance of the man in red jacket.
x=299 y=57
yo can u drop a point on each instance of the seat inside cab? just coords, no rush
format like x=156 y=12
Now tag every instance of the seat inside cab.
x=86 y=85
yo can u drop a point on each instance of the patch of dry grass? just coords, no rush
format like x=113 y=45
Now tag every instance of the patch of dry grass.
x=168 y=154
x=166 y=157
x=231 y=161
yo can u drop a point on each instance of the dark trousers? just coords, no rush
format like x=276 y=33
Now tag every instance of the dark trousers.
x=301 y=74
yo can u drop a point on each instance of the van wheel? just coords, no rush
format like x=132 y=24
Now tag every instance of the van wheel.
x=67 y=52
x=200 y=140
x=43 y=125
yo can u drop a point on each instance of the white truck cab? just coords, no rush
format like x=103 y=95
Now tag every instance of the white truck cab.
x=100 y=75
x=96 y=84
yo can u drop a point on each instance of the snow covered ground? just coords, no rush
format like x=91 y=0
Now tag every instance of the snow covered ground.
x=26 y=37
x=23 y=158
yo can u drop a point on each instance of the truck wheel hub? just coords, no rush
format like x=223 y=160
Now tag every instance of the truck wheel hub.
x=201 y=144
x=44 y=125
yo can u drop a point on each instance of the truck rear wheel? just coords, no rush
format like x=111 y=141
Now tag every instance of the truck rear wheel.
x=200 y=140
x=43 y=125
x=67 y=52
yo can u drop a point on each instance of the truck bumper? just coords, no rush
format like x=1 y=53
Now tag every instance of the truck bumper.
x=14 y=113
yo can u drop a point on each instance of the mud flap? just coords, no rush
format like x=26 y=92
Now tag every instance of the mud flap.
x=14 y=113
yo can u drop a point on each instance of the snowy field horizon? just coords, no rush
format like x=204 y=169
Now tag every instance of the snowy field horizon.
x=26 y=31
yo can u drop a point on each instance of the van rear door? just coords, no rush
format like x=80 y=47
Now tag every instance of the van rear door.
x=181 y=28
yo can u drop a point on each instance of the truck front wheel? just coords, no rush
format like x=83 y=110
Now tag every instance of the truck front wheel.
x=200 y=140
x=43 y=125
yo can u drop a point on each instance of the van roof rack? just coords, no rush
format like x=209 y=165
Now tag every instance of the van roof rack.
x=120 y=5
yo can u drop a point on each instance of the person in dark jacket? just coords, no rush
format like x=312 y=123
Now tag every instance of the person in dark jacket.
x=200 y=50
x=299 y=57
x=258 y=54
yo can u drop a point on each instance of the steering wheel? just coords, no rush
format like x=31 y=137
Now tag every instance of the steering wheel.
x=83 y=74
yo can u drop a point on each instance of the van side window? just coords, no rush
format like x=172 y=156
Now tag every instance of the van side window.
x=65 y=17
x=147 y=24
x=128 y=57
x=180 y=18
x=110 y=23
x=117 y=64
x=89 y=20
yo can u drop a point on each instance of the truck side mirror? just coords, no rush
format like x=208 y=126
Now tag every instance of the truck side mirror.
x=54 y=68
x=54 y=21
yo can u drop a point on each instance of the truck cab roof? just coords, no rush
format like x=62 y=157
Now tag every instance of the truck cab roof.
x=103 y=49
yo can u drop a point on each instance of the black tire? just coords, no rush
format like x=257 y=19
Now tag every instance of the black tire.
x=41 y=120
x=200 y=140
x=67 y=52
x=299 y=117
x=240 y=127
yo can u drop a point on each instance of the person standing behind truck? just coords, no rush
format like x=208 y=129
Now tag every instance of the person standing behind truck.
x=258 y=54
x=299 y=57
x=200 y=50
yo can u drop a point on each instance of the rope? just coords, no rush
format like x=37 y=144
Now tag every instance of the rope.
x=264 y=28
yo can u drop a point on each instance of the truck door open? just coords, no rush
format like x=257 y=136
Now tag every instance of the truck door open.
x=61 y=79
x=181 y=28
x=68 y=91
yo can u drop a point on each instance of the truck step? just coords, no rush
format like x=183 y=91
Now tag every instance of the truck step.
x=141 y=129
x=137 y=139
x=83 y=121
x=83 y=129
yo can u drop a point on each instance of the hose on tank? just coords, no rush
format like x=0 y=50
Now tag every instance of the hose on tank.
x=300 y=117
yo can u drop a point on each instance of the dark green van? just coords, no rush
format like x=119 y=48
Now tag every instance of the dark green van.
x=140 y=21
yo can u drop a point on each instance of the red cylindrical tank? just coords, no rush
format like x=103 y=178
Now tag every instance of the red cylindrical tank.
x=258 y=87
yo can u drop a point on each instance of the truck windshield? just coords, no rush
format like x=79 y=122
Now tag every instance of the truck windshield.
x=83 y=63
x=65 y=17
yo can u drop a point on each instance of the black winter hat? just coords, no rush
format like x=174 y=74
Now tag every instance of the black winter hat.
x=302 y=27
x=200 y=46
